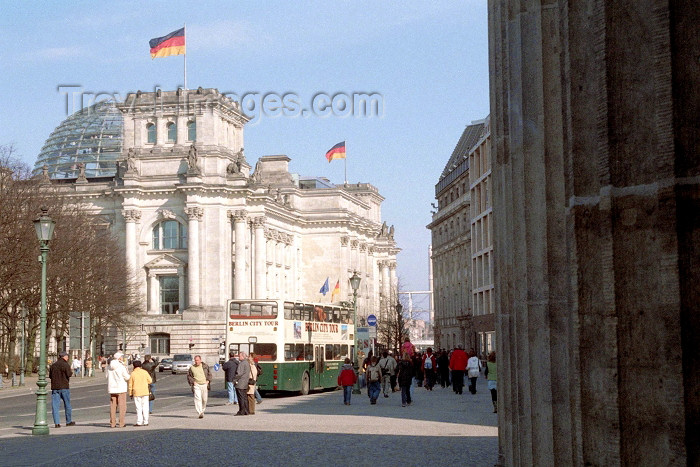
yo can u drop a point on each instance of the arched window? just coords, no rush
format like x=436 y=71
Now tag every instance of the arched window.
x=169 y=235
x=160 y=343
x=151 y=133
x=191 y=131
x=172 y=131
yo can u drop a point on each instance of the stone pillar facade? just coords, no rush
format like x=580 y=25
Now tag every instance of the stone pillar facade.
x=195 y=215
x=595 y=135
x=131 y=217
x=260 y=257
x=241 y=287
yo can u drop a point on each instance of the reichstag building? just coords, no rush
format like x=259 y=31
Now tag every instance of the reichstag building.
x=200 y=225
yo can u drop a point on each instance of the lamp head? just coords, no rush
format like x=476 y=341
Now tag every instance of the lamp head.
x=355 y=281
x=44 y=226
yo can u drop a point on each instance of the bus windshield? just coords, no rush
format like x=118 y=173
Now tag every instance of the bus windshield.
x=261 y=310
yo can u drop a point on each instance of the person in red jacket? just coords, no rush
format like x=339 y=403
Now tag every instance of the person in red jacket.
x=347 y=378
x=458 y=365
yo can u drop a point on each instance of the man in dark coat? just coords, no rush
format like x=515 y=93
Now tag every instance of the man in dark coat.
x=241 y=382
x=150 y=364
x=60 y=373
x=230 y=368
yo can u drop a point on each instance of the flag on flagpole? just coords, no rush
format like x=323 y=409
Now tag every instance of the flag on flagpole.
x=336 y=291
x=325 y=288
x=336 y=152
x=172 y=44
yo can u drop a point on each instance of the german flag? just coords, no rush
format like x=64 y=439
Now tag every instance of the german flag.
x=336 y=152
x=172 y=44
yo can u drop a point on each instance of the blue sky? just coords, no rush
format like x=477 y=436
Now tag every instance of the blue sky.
x=428 y=61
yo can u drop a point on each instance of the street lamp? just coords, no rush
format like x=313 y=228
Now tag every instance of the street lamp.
x=44 y=226
x=399 y=320
x=355 y=284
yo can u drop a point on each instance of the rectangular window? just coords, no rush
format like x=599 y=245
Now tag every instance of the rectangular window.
x=160 y=344
x=253 y=310
x=289 y=355
x=309 y=352
x=170 y=235
x=329 y=351
x=169 y=294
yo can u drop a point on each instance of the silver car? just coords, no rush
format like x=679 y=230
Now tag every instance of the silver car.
x=182 y=363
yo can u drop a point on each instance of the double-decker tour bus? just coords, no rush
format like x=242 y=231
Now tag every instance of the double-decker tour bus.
x=300 y=346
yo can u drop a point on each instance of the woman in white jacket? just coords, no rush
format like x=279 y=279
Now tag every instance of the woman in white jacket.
x=473 y=368
x=117 y=377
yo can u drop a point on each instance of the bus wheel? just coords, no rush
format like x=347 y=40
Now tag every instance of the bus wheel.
x=305 y=384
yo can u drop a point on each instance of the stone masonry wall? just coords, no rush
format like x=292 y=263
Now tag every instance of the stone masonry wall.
x=594 y=128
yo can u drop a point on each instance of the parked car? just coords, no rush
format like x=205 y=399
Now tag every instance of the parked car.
x=165 y=364
x=182 y=363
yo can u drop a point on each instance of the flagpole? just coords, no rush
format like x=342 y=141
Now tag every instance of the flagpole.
x=346 y=162
x=185 y=55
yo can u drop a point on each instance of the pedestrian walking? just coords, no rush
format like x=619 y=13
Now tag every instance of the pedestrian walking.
x=473 y=369
x=347 y=379
x=405 y=379
x=407 y=347
x=199 y=377
x=418 y=369
x=59 y=374
x=443 y=365
x=458 y=365
x=138 y=390
x=150 y=364
x=76 y=366
x=374 y=378
x=429 y=365
x=88 y=366
x=117 y=377
x=258 y=397
x=252 y=385
x=490 y=373
x=241 y=382
x=230 y=368
x=388 y=367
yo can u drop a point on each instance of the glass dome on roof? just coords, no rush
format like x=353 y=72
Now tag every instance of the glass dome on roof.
x=92 y=135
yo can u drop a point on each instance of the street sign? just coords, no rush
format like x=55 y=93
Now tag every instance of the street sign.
x=217 y=367
x=372 y=320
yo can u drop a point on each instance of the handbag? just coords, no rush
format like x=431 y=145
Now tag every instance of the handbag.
x=251 y=382
x=151 y=396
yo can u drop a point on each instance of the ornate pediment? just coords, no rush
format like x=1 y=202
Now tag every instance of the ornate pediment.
x=165 y=261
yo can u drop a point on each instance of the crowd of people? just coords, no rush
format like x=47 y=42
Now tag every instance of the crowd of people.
x=385 y=374
x=380 y=375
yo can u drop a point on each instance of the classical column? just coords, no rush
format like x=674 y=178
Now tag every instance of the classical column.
x=241 y=287
x=260 y=257
x=181 y=288
x=131 y=216
x=195 y=215
x=345 y=259
x=394 y=283
x=386 y=287
x=153 y=293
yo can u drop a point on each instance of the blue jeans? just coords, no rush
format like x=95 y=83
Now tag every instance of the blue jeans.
x=56 y=396
x=374 y=389
x=347 y=394
x=258 y=397
x=232 y=396
x=152 y=388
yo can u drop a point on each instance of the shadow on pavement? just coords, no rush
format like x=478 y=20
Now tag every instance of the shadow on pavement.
x=249 y=448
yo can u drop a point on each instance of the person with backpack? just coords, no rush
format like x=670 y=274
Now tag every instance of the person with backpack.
x=429 y=365
x=347 y=378
x=374 y=378
x=388 y=367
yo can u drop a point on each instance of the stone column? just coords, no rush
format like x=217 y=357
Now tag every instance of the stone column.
x=131 y=216
x=153 y=305
x=345 y=260
x=386 y=287
x=394 y=283
x=195 y=215
x=241 y=286
x=260 y=260
x=595 y=138
x=181 y=289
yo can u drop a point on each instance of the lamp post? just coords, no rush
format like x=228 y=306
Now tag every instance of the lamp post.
x=24 y=346
x=355 y=284
x=44 y=226
x=399 y=321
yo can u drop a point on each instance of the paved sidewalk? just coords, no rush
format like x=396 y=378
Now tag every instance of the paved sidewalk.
x=440 y=428
x=30 y=386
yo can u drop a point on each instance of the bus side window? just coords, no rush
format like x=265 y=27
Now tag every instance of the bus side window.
x=309 y=352
x=344 y=351
x=289 y=352
x=299 y=353
x=336 y=351
x=329 y=351
x=288 y=310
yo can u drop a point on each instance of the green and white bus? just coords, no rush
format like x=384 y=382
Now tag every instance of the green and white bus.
x=300 y=346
